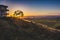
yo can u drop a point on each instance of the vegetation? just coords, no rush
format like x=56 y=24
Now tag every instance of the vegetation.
x=16 y=29
x=49 y=22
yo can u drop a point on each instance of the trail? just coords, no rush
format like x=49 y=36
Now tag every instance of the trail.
x=44 y=26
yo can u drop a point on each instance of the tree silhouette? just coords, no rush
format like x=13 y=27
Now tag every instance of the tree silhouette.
x=18 y=13
x=3 y=10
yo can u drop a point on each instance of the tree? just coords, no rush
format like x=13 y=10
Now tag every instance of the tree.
x=18 y=13
x=3 y=10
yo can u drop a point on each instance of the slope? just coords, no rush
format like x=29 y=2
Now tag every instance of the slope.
x=18 y=29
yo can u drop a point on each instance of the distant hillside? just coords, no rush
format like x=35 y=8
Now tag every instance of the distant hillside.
x=18 y=29
x=44 y=17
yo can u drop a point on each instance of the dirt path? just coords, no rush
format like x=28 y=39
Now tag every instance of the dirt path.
x=44 y=26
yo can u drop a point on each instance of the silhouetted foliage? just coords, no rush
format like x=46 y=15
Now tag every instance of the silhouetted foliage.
x=3 y=10
x=18 y=12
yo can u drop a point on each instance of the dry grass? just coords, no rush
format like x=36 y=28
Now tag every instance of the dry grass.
x=16 y=29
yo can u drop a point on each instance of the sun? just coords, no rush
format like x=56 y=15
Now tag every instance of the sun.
x=11 y=14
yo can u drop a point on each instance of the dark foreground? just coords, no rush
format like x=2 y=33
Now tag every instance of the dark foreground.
x=16 y=29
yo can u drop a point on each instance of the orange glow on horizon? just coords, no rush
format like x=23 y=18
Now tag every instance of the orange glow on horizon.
x=29 y=11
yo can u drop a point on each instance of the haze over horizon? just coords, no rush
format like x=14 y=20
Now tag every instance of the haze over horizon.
x=33 y=7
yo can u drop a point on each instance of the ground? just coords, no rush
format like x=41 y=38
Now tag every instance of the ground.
x=18 y=29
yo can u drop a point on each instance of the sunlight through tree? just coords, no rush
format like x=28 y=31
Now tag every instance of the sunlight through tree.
x=18 y=13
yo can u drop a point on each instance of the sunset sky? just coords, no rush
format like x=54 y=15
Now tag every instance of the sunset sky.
x=33 y=7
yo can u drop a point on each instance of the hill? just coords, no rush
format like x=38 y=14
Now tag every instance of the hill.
x=44 y=17
x=18 y=29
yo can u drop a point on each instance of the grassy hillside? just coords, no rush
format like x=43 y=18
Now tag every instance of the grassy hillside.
x=55 y=23
x=16 y=29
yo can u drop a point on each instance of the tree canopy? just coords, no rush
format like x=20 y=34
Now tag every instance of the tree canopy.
x=19 y=13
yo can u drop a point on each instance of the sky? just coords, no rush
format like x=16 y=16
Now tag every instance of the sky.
x=33 y=7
